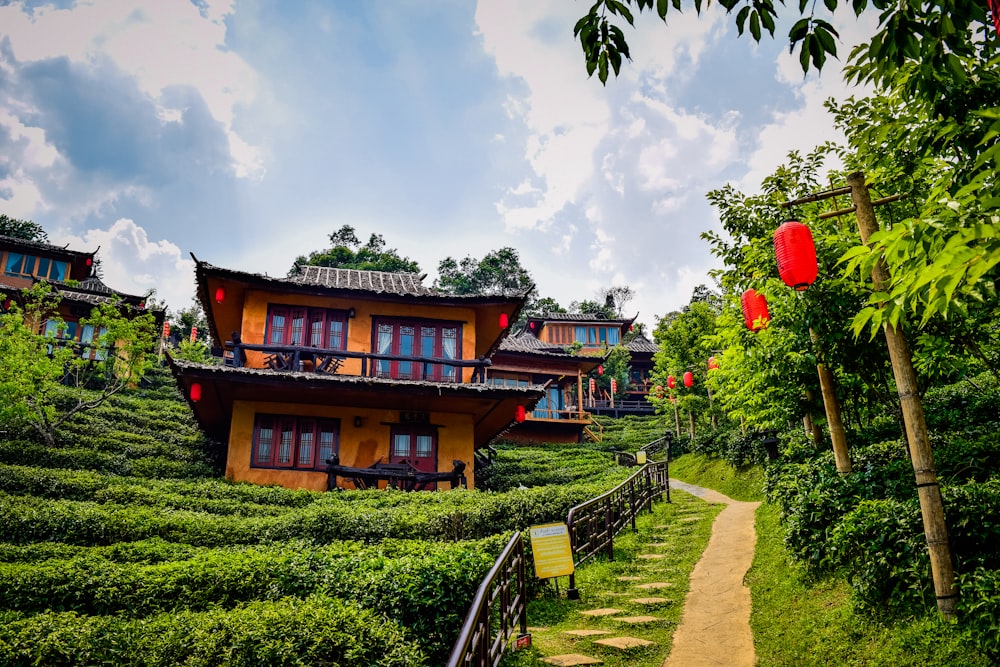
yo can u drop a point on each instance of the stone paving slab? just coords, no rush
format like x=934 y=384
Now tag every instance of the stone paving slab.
x=654 y=586
x=606 y=611
x=637 y=620
x=623 y=643
x=571 y=660
x=650 y=556
x=586 y=633
x=628 y=578
x=649 y=600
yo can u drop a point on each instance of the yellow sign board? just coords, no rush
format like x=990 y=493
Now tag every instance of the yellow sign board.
x=551 y=550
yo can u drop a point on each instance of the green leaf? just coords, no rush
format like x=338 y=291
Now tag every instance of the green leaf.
x=755 y=25
x=602 y=67
x=804 y=53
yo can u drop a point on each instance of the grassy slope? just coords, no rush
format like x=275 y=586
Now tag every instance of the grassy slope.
x=799 y=623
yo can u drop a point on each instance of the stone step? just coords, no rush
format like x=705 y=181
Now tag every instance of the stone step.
x=597 y=613
x=623 y=643
x=571 y=660
x=586 y=633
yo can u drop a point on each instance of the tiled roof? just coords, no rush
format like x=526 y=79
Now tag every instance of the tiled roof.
x=37 y=245
x=526 y=342
x=358 y=380
x=576 y=317
x=380 y=282
x=642 y=344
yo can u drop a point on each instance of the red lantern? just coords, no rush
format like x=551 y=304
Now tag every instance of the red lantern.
x=194 y=333
x=796 y=254
x=671 y=382
x=220 y=294
x=712 y=364
x=600 y=370
x=90 y=261
x=166 y=329
x=755 y=314
x=994 y=6
x=519 y=414
x=195 y=392
x=614 y=386
x=593 y=385
x=658 y=391
x=504 y=320
x=688 y=379
x=531 y=325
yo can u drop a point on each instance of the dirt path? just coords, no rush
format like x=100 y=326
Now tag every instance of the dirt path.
x=715 y=626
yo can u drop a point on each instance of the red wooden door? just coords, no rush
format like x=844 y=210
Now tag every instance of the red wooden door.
x=418 y=448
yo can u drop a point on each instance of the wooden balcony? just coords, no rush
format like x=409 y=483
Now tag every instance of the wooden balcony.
x=303 y=359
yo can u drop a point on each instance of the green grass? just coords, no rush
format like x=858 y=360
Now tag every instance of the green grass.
x=801 y=624
x=550 y=615
x=746 y=484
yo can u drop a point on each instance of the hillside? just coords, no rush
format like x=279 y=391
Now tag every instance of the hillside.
x=124 y=545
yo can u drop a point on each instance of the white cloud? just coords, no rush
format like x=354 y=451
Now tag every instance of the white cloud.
x=134 y=264
x=160 y=44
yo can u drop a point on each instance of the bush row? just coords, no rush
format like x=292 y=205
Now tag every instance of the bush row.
x=453 y=515
x=84 y=485
x=315 y=631
x=23 y=452
x=425 y=589
x=515 y=466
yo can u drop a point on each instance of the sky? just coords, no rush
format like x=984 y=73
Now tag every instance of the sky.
x=245 y=132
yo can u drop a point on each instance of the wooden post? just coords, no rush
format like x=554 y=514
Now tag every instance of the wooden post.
x=677 y=417
x=832 y=406
x=931 y=505
x=811 y=427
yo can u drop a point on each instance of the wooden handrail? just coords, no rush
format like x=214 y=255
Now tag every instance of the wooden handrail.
x=479 y=643
x=593 y=524
x=368 y=359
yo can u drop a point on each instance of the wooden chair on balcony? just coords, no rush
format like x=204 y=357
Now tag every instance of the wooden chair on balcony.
x=278 y=361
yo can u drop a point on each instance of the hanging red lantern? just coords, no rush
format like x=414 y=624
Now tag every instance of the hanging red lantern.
x=600 y=370
x=166 y=329
x=994 y=6
x=688 y=379
x=796 y=254
x=531 y=325
x=195 y=392
x=593 y=385
x=614 y=386
x=658 y=391
x=220 y=294
x=519 y=414
x=194 y=334
x=712 y=364
x=671 y=382
x=504 y=320
x=755 y=314
x=89 y=261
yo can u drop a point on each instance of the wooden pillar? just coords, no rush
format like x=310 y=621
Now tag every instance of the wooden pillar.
x=579 y=391
x=838 y=436
x=931 y=504
x=811 y=427
x=677 y=417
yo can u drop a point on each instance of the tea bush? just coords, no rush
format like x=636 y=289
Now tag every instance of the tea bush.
x=314 y=631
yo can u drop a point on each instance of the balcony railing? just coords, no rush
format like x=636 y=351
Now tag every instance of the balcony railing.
x=301 y=358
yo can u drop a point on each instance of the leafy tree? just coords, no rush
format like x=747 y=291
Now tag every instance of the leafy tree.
x=187 y=318
x=22 y=229
x=926 y=36
x=346 y=252
x=498 y=272
x=592 y=307
x=684 y=339
x=615 y=299
x=542 y=306
x=37 y=367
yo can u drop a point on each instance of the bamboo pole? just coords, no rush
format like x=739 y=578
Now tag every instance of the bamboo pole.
x=811 y=427
x=931 y=504
x=838 y=435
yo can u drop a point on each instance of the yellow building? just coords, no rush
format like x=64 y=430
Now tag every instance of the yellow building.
x=371 y=370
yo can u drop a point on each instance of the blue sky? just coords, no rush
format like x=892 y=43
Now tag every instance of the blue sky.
x=246 y=132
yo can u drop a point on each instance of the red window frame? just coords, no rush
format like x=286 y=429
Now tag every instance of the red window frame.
x=294 y=325
x=416 y=436
x=417 y=338
x=299 y=443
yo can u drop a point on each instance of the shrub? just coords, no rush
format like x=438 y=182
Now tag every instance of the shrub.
x=315 y=631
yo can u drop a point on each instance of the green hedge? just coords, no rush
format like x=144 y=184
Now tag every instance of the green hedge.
x=451 y=515
x=315 y=631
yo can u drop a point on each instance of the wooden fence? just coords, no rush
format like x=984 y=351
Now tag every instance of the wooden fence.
x=500 y=606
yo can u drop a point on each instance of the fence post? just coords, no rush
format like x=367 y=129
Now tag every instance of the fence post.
x=608 y=523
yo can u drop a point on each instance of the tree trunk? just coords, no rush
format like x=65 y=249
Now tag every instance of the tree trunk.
x=931 y=505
